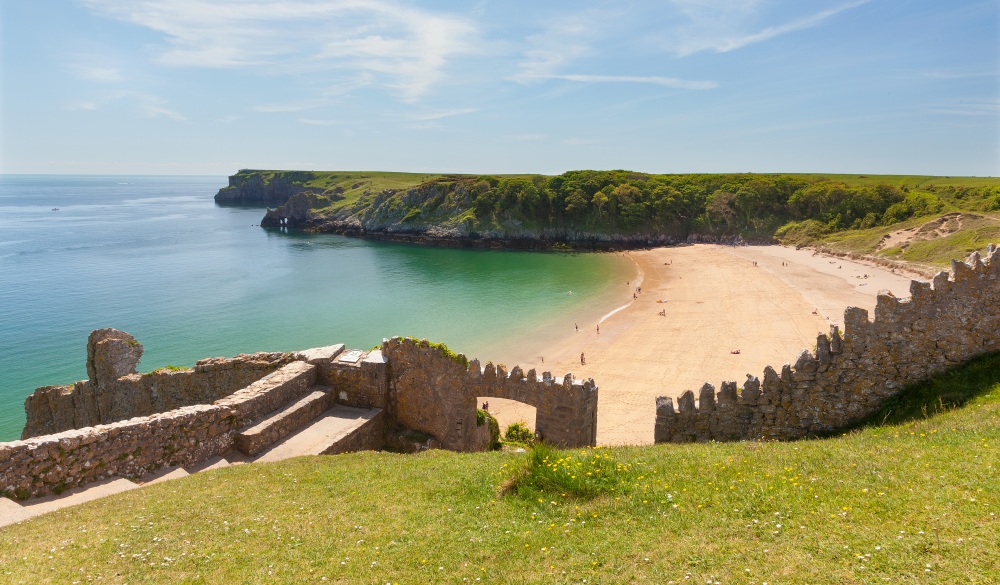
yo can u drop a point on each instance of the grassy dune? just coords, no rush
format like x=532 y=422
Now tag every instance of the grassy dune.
x=914 y=500
x=978 y=229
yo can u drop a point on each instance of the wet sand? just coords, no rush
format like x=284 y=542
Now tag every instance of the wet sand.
x=767 y=302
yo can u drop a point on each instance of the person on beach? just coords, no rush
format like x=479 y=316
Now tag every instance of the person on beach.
x=577 y=327
x=583 y=360
x=598 y=329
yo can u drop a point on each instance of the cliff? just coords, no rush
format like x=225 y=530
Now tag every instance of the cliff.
x=250 y=187
x=444 y=212
x=593 y=209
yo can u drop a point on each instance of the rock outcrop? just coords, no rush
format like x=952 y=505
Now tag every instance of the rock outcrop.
x=249 y=187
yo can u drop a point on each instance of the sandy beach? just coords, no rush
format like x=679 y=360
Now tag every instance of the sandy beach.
x=766 y=302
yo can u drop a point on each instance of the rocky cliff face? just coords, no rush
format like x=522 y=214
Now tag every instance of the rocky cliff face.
x=260 y=187
x=391 y=216
x=298 y=211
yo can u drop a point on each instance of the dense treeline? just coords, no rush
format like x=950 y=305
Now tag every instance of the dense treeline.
x=746 y=204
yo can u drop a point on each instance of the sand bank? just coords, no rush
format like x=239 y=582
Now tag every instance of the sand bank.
x=767 y=302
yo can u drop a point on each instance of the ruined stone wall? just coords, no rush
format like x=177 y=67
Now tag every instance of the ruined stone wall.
x=132 y=448
x=434 y=393
x=116 y=392
x=363 y=384
x=943 y=324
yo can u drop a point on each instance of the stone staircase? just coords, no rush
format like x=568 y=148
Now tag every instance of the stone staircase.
x=303 y=420
x=308 y=425
x=280 y=423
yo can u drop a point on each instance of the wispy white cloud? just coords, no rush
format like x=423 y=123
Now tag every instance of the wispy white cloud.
x=573 y=41
x=960 y=74
x=983 y=107
x=320 y=122
x=146 y=105
x=562 y=41
x=653 y=79
x=388 y=42
x=429 y=116
x=290 y=106
x=726 y=25
x=527 y=137
x=95 y=72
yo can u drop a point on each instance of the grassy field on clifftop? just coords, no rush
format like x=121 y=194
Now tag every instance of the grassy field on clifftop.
x=913 y=501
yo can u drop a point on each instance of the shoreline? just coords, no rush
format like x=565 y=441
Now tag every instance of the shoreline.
x=767 y=302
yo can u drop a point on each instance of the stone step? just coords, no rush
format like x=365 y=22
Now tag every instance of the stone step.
x=217 y=462
x=165 y=474
x=281 y=423
x=11 y=512
x=340 y=429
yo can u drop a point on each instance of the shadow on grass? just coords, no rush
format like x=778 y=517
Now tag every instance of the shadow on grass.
x=946 y=391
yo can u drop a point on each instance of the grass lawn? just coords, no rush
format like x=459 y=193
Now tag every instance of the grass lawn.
x=913 y=501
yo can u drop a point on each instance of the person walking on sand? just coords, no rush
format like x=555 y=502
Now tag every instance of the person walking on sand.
x=598 y=329
x=577 y=327
x=583 y=360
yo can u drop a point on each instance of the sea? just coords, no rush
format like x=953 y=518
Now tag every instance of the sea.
x=156 y=257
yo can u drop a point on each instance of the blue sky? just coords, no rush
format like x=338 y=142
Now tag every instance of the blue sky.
x=500 y=86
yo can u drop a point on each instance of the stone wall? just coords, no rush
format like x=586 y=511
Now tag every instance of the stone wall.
x=413 y=383
x=432 y=392
x=116 y=392
x=943 y=324
x=361 y=384
x=132 y=448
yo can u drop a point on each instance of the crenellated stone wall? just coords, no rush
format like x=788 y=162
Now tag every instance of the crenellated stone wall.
x=943 y=324
x=436 y=393
x=116 y=392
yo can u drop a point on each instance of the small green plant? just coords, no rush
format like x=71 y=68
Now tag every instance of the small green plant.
x=585 y=474
x=170 y=368
x=480 y=417
x=519 y=433
x=447 y=352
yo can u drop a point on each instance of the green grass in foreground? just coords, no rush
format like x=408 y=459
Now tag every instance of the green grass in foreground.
x=916 y=502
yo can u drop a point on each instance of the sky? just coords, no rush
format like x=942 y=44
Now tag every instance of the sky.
x=500 y=86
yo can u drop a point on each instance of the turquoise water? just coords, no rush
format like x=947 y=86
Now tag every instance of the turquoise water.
x=156 y=257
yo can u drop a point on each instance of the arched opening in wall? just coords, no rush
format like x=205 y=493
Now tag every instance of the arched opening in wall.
x=509 y=411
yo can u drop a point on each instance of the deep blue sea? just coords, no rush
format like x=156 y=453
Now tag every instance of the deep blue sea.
x=154 y=256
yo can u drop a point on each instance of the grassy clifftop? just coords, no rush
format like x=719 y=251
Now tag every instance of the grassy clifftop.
x=913 y=499
x=615 y=206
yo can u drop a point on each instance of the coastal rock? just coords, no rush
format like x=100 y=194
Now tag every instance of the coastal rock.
x=111 y=354
x=249 y=187
x=298 y=211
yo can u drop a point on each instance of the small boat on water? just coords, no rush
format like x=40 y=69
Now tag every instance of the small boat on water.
x=55 y=209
